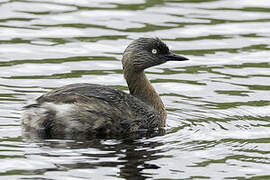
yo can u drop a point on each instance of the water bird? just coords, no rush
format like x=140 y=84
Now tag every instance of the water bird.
x=97 y=110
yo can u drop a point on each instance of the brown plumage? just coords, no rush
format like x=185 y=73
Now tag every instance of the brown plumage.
x=84 y=110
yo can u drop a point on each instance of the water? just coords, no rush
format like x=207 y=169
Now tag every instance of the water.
x=218 y=103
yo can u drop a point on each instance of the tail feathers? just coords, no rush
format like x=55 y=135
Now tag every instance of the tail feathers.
x=31 y=106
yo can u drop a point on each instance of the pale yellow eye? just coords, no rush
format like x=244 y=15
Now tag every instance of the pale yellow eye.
x=154 y=51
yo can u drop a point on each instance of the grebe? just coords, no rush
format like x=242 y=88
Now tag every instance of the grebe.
x=96 y=110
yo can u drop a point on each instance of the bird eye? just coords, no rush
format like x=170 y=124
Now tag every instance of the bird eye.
x=154 y=51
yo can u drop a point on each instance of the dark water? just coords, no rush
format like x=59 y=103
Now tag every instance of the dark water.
x=218 y=103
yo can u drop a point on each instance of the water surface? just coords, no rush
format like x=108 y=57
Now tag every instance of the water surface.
x=218 y=103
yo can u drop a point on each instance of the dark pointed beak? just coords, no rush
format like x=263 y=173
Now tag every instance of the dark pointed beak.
x=174 y=57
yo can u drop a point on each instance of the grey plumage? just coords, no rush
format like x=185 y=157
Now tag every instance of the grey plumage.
x=94 y=110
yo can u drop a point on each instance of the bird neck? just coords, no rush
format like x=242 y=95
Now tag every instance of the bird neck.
x=140 y=87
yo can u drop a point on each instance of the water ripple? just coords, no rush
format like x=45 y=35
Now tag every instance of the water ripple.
x=218 y=102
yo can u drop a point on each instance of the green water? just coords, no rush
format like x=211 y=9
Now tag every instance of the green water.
x=218 y=103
